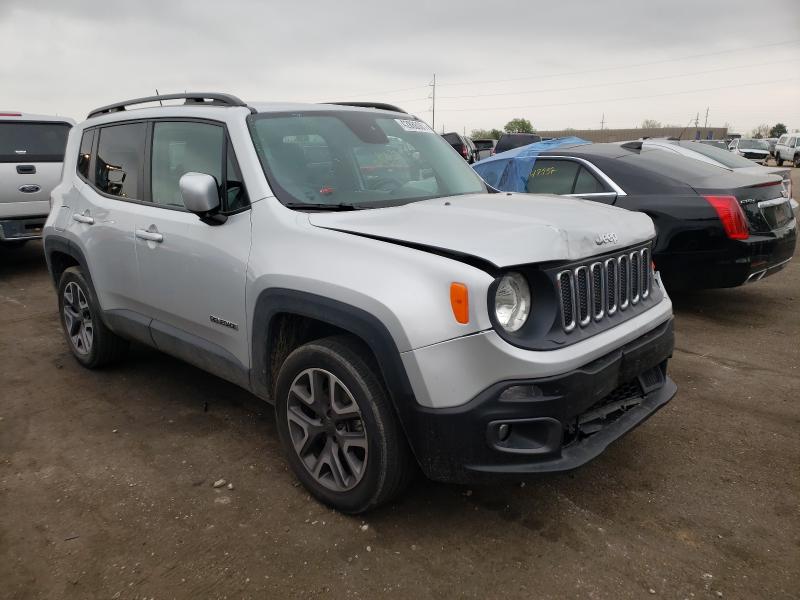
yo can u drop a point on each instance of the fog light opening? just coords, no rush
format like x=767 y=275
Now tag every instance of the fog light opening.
x=503 y=432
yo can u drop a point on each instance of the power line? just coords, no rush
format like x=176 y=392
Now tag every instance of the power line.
x=594 y=85
x=630 y=66
x=596 y=101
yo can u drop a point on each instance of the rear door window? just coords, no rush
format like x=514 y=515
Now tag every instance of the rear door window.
x=791 y=142
x=27 y=142
x=552 y=177
x=587 y=183
x=120 y=159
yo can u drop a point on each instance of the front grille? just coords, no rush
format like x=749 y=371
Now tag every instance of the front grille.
x=597 y=290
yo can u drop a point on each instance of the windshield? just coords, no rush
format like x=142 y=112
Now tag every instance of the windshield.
x=724 y=157
x=754 y=144
x=32 y=142
x=357 y=158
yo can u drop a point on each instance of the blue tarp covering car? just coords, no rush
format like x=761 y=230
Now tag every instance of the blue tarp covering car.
x=509 y=171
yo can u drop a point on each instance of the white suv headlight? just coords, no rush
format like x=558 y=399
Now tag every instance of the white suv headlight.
x=512 y=301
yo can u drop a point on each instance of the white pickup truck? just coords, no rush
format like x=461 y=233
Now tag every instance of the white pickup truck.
x=31 y=155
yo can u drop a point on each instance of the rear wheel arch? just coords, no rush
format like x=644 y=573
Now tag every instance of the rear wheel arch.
x=61 y=254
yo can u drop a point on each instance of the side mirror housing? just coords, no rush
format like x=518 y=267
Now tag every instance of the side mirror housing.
x=201 y=196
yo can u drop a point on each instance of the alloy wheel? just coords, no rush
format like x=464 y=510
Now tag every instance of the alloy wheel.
x=327 y=429
x=78 y=318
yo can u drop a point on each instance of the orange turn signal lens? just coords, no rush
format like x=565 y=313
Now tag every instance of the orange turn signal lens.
x=459 y=300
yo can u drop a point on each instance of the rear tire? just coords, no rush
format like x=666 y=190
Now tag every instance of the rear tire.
x=796 y=161
x=92 y=343
x=338 y=427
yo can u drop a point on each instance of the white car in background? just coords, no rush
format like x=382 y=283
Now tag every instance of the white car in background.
x=722 y=158
x=755 y=150
x=31 y=154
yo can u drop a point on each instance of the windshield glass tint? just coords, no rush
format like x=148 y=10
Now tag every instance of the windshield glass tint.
x=33 y=142
x=724 y=157
x=355 y=157
x=754 y=144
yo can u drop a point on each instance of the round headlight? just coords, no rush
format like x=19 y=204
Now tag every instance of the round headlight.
x=512 y=301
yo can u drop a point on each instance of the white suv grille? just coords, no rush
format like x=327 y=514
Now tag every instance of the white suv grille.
x=599 y=289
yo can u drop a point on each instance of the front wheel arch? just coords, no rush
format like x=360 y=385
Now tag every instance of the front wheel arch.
x=332 y=317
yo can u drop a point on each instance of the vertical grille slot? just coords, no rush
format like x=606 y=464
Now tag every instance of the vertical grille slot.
x=624 y=281
x=593 y=291
x=567 y=296
x=646 y=272
x=582 y=294
x=612 y=286
x=598 y=290
x=636 y=276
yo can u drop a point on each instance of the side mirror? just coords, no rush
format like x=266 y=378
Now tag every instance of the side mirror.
x=201 y=196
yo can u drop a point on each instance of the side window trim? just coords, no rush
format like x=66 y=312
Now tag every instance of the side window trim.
x=605 y=179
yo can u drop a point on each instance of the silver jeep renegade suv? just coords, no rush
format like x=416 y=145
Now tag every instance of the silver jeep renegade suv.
x=345 y=264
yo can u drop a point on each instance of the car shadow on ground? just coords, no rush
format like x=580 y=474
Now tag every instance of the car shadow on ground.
x=19 y=260
x=729 y=305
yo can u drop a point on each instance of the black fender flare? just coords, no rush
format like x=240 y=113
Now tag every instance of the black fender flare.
x=58 y=243
x=367 y=327
x=274 y=301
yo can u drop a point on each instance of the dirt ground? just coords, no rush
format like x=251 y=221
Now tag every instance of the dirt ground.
x=106 y=481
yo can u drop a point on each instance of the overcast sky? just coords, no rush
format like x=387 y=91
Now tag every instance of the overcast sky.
x=559 y=64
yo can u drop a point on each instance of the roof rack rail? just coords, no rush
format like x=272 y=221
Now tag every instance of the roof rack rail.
x=212 y=99
x=378 y=105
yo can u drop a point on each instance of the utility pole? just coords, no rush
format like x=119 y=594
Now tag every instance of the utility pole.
x=705 y=125
x=602 y=124
x=433 y=102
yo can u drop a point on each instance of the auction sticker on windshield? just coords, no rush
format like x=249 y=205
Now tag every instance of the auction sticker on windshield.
x=411 y=125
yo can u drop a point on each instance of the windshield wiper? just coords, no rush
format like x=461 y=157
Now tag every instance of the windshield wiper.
x=342 y=206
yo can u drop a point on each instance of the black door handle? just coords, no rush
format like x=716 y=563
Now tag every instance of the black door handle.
x=26 y=169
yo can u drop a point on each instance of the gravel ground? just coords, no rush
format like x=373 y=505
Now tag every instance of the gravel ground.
x=107 y=481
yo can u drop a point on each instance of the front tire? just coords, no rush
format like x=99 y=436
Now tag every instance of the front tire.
x=92 y=343
x=338 y=427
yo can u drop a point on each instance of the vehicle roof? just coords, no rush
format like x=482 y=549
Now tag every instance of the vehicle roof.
x=608 y=150
x=621 y=164
x=216 y=111
x=267 y=107
x=16 y=115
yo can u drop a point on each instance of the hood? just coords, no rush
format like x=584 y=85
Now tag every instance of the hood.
x=760 y=151
x=503 y=229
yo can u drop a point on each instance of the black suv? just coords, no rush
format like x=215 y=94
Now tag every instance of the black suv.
x=463 y=146
x=508 y=141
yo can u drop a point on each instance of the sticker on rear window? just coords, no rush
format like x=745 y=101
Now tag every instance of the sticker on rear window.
x=411 y=125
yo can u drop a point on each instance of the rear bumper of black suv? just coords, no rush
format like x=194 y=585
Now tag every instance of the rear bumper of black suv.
x=520 y=428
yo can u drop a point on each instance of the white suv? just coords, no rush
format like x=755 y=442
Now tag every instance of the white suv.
x=31 y=151
x=787 y=148
x=345 y=264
